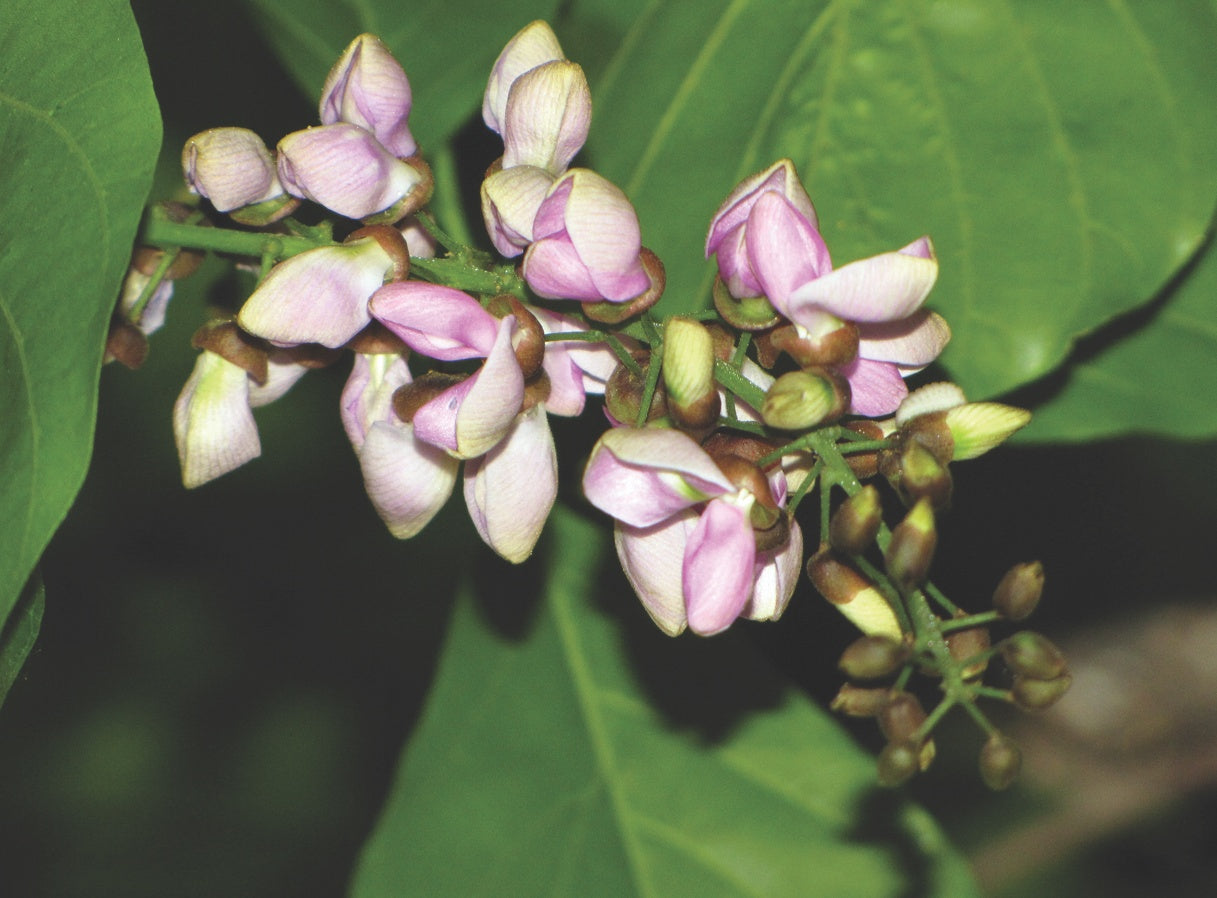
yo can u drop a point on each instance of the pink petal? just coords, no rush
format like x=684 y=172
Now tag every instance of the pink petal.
x=368 y=87
x=510 y=200
x=642 y=476
x=718 y=567
x=549 y=112
x=913 y=341
x=777 y=575
x=510 y=490
x=533 y=45
x=877 y=387
x=779 y=178
x=407 y=480
x=784 y=249
x=231 y=167
x=368 y=395
x=886 y=287
x=440 y=322
x=653 y=559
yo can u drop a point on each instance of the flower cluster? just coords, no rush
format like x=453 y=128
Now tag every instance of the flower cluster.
x=719 y=425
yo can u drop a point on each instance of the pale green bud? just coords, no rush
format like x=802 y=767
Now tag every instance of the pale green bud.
x=799 y=400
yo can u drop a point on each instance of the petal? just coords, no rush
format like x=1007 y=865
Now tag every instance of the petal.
x=281 y=375
x=784 y=249
x=653 y=559
x=231 y=167
x=510 y=490
x=780 y=178
x=777 y=575
x=510 y=200
x=212 y=424
x=553 y=269
x=407 y=480
x=368 y=87
x=567 y=396
x=913 y=341
x=718 y=567
x=440 y=322
x=549 y=112
x=603 y=227
x=345 y=169
x=642 y=476
x=367 y=396
x=877 y=388
x=319 y=296
x=886 y=287
x=534 y=45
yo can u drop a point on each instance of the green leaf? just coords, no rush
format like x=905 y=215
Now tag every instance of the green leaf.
x=1154 y=373
x=1063 y=156
x=446 y=47
x=544 y=766
x=79 y=133
x=18 y=634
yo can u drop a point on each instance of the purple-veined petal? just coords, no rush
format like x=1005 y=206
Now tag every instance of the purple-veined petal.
x=535 y=44
x=549 y=112
x=603 y=227
x=319 y=296
x=642 y=476
x=777 y=575
x=784 y=249
x=718 y=567
x=913 y=341
x=510 y=490
x=472 y=417
x=212 y=424
x=231 y=167
x=567 y=396
x=510 y=200
x=407 y=480
x=367 y=396
x=368 y=87
x=345 y=169
x=440 y=322
x=653 y=559
x=877 y=388
x=779 y=178
x=886 y=287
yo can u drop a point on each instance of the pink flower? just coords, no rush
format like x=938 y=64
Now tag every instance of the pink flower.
x=368 y=87
x=587 y=242
x=443 y=323
x=231 y=167
x=548 y=115
x=684 y=532
x=534 y=45
x=882 y=295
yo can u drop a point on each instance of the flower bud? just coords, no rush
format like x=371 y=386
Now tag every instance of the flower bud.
x=1029 y=654
x=688 y=373
x=968 y=430
x=901 y=717
x=897 y=763
x=853 y=595
x=1019 y=590
x=233 y=168
x=368 y=87
x=623 y=394
x=872 y=657
x=548 y=115
x=856 y=522
x=1032 y=694
x=534 y=45
x=965 y=644
x=799 y=400
x=916 y=472
x=858 y=702
x=1000 y=762
x=912 y=547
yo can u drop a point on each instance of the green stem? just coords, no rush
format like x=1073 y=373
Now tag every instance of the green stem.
x=943 y=602
x=454 y=272
x=161 y=232
x=740 y=386
x=931 y=721
x=969 y=621
x=652 y=381
x=154 y=281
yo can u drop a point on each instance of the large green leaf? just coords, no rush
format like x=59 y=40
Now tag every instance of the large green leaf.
x=19 y=632
x=1062 y=155
x=1155 y=373
x=446 y=47
x=543 y=766
x=79 y=133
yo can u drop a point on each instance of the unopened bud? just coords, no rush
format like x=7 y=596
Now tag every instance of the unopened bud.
x=1032 y=694
x=918 y=473
x=977 y=427
x=858 y=702
x=965 y=644
x=1029 y=654
x=1000 y=762
x=856 y=522
x=897 y=763
x=872 y=657
x=688 y=373
x=1019 y=591
x=912 y=547
x=623 y=393
x=799 y=400
x=901 y=717
x=853 y=595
